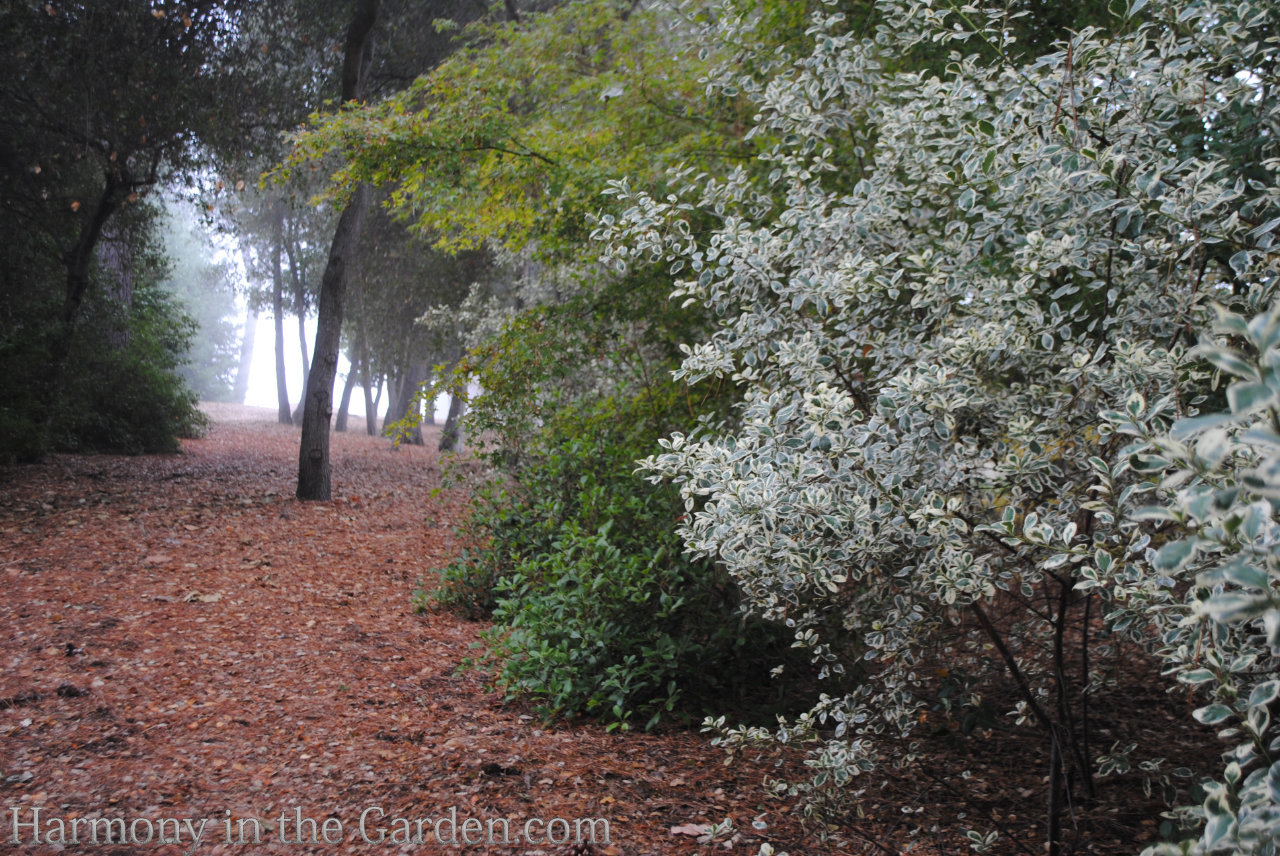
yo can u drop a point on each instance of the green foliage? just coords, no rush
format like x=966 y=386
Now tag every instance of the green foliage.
x=597 y=608
x=512 y=138
x=129 y=396
x=119 y=388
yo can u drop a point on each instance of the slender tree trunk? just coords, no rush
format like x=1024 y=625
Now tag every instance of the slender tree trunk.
x=340 y=424
x=402 y=403
x=283 y=414
x=393 y=401
x=246 y=357
x=79 y=258
x=370 y=406
x=362 y=355
x=314 y=481
x=451 y=435
x=299 y=301
x=377 y=402
x=300 y=311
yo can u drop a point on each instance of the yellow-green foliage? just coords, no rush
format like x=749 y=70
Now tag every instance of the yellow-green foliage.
x=515 y=136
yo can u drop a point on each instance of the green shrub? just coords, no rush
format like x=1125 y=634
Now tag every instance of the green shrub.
x=597 y=608
x=121 y=390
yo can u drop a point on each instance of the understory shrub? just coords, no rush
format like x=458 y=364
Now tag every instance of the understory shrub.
x=597 y=608
x=122 y=391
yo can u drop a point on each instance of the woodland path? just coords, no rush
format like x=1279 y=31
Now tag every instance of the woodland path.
x=180 y=639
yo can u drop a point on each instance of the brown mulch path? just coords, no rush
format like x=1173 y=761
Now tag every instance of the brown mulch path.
x=182 y=639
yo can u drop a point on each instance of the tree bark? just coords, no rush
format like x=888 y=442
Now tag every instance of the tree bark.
x=393 y=402
x=377 y=402
x=370 y=406
x=246 y=357
x=340 y=424
x=314 y=477
x=115 y=263
x=284 y=415
x=79 y=258
x=362 y=355
x=451 y=435
x=79 y=261
x=314 y=482
x=299 y=310
x=403 y=401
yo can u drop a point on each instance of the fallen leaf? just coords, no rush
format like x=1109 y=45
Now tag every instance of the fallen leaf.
x=694 y=829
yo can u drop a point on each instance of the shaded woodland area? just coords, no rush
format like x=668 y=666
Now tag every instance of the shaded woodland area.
x=881 y=397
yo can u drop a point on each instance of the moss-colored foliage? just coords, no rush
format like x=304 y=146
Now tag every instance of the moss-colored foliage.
x=514 y=137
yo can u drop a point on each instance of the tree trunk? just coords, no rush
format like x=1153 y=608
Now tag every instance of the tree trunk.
x=340 y=424
x=300 y=310
x=362 y=355
x=313 y=452
x=393 y=402
x=370 y=407
x=78 y=261
x=403 y=402
x=451 y=435
x=283 y=413
x=80 y=257
x=246 y=357
x=377 y=402
x=115 y=262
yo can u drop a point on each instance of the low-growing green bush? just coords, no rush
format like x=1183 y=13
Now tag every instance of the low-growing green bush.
x=597 y=608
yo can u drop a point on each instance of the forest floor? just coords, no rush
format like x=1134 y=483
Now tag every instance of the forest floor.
x=184 y=641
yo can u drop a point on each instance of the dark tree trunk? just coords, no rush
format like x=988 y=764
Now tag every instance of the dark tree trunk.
x=451 y=435
x=370 y=406
x=79 y=258
x=340 y=423
x=246 y=357
x=118 y=183
x=79 y=261
x=115 y=262
x=283 y=414
x=313 y=452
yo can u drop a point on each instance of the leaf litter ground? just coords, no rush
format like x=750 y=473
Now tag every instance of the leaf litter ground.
x=183 y=640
